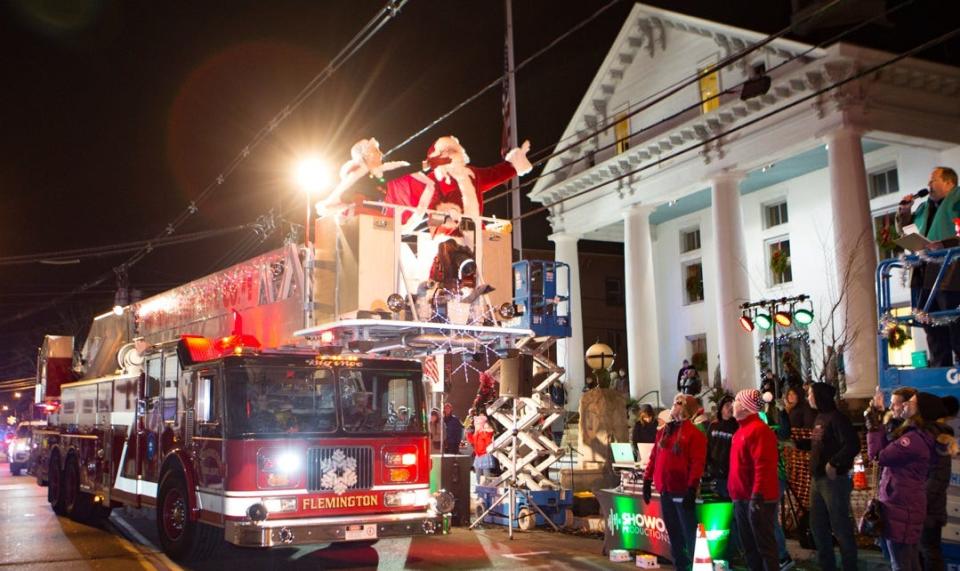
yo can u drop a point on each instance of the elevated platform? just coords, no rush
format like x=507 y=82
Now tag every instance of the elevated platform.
x=412 y=338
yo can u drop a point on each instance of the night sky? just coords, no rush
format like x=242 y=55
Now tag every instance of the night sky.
x=117 y=114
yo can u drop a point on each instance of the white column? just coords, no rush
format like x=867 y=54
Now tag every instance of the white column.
x=641 y=303
x=737 y=364
x=570 y=351
x=855 y=257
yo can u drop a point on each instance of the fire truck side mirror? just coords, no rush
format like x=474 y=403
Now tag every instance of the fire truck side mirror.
x=141 y=407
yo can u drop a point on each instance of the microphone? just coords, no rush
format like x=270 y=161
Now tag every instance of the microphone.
x=920 y=194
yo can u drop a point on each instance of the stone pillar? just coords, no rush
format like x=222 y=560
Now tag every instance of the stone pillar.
x=854 y=251
x=570 y=351
x=737 y=363
x=641 y=302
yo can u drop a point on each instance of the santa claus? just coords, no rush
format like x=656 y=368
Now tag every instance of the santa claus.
x=363 y=177
x=451 y=185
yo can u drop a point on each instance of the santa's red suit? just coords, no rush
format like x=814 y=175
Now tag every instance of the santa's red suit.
x=454 y=185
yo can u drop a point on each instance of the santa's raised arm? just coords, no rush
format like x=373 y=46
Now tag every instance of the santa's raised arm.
x=452 y=185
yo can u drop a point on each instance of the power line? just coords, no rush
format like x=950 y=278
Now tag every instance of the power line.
x=707 y=141
x=115 y=249
x=371 y=28
x=498 y=81
x=530 y=181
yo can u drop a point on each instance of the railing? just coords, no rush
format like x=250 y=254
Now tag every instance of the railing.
x=943 y=258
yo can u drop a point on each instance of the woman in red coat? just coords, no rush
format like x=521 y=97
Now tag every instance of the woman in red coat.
x=676 y=465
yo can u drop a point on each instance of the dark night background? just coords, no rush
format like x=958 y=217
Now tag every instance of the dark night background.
x=116 y=114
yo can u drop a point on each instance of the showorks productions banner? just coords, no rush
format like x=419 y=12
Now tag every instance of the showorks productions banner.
x=634 y=525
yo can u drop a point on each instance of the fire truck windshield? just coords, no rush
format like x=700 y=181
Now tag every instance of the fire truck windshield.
x=381 y=401
x=288 y=400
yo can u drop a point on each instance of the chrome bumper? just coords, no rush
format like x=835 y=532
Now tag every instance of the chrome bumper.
x=308 y=531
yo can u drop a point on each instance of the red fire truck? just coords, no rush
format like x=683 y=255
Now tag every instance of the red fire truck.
x=312 y=428
x=257 y=447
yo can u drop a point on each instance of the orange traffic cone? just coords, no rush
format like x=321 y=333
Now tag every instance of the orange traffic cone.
x=701 y=552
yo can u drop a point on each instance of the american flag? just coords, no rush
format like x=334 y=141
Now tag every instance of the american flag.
x=505 y=101
x=433 y=369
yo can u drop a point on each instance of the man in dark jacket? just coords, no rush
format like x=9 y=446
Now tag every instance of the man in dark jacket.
x=937 y=484
x=834 y=445
x=719 y=438
x=452 y=431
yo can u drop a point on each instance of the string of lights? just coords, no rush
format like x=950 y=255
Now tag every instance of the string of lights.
x=839 y=83
x=530 y=181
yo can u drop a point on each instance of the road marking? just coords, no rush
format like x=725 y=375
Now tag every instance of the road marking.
x=520 y=556
x=16 y=486
x=142 y=555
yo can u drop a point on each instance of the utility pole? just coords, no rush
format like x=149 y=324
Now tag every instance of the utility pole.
x=512 y=134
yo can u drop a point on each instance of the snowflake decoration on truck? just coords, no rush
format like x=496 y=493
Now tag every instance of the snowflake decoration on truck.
x=339 y=472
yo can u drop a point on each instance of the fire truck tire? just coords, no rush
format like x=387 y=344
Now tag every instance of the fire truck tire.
x=55 y=485
x=15 y=469
x=181 y=538
x=77 y=503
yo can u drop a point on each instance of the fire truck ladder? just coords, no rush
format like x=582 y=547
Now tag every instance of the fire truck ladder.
x=524 y=449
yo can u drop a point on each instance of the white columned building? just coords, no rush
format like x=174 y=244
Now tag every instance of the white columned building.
x=640 y=298
x=854 y=257
x=725 y=183
x=737 y=368
x=570 y=351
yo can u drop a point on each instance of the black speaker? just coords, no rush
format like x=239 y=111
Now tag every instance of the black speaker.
x=455 y=478
x=510 y=377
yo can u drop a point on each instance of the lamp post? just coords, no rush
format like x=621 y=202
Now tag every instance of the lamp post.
x=312 y=176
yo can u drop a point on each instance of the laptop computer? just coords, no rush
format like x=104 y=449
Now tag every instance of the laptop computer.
x=644 y=450
x=623 y=455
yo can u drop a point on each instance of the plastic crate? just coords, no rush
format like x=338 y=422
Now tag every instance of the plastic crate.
x=554 y=503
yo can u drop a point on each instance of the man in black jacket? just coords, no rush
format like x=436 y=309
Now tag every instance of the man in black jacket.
x=834 y=445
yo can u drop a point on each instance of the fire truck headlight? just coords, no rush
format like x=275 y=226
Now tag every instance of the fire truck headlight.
x=288 y=462
x=407 y=498
x=278 y=505
x=257 y=512
x=443 y=502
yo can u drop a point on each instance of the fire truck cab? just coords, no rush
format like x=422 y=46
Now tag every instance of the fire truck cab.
x=255 y=447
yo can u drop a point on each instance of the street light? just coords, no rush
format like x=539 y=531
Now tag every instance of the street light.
x=312 y=176
x=16 y=395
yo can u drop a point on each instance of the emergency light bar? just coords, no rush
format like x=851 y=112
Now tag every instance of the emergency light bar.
x=193 y=349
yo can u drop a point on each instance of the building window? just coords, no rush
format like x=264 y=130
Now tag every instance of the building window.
x=778 y=260
x=883 y=182
x=709 y=89
x=885 y=232
x=622 y=132
x=693 y=282
x=775 y=214
x=614 y=289
x=689 y=240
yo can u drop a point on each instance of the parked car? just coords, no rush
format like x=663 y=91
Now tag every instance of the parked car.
x=20 y=449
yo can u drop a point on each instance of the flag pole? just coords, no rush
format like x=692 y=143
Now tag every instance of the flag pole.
x=511 y=126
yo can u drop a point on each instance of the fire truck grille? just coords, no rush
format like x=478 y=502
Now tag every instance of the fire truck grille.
x=339 y=468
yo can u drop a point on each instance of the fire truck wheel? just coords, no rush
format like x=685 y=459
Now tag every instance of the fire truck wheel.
x=55 y=485
x=181 y=538
x=77 y=504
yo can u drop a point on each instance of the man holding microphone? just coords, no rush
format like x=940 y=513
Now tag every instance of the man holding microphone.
x=934 y=220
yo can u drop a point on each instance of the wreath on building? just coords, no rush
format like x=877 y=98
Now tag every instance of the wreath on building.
x=779 y=262
x=694 y=287
x=699 y=361
x=887 y=236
